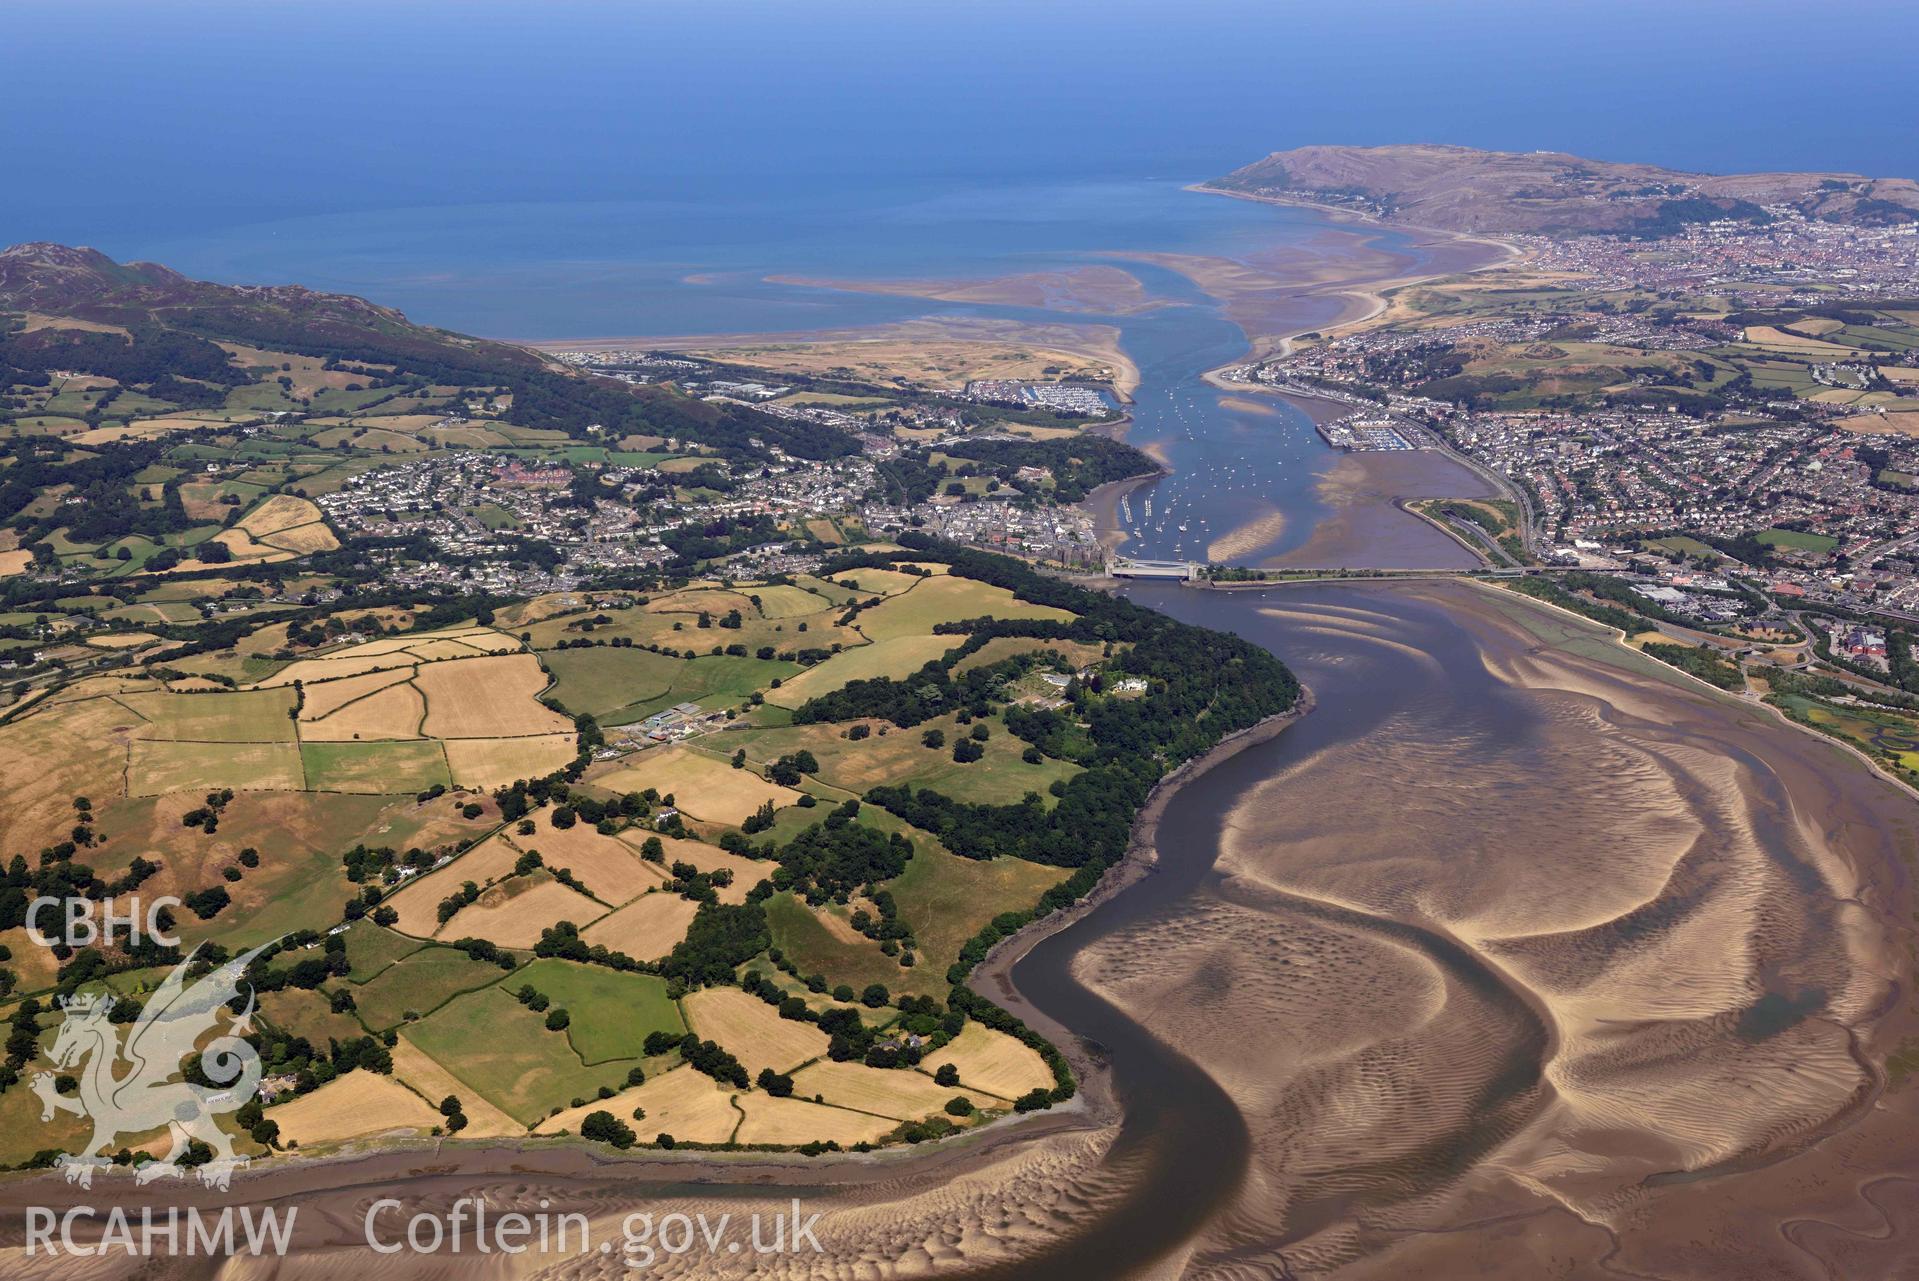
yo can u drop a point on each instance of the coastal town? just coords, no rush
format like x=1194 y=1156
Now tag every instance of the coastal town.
x=1736 y=398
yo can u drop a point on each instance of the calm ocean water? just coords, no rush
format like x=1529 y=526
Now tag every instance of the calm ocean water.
x=485 y=163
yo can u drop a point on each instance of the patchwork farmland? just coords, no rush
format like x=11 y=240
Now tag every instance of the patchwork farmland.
x=657 y=864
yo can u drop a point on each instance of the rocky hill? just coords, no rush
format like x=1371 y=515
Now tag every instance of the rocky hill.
x=1465 y=189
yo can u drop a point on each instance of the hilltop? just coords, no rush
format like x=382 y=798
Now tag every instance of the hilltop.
x=164 y=345
x=1466 y=189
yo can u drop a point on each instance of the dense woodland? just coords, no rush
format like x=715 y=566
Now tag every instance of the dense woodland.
x=1205 y=685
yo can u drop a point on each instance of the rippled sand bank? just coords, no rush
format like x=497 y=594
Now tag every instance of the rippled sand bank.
x=1544 y=962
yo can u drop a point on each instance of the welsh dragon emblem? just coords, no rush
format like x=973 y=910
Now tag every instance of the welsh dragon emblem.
x=147 y=1095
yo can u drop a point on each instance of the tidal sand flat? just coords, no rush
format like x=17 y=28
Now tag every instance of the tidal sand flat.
x=1366 y=528
x=1522 y=953
x=1103 y=289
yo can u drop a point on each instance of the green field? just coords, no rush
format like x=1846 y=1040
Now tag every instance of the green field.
x=815 y=950
x=788 y=602
x=245 y=716
x=1878 y=732
x=827 y=590
x=307 y=1014
x=1798 y=541
x=370 y=949
x=375 y=768
x=603 y=681
x=898 y=657
x=1000 y=777
x=420 y=984
x=611 y=1011
x=712 y=682
x=946 y=599
x=1683 y=544
x=503 y=1050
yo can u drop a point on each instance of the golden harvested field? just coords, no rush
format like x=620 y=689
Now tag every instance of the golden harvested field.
x=316 y=670
x=488 y=639
x=877 y=582
x=898 y=1093
x=14 y=562
x=703 y=787
x=1776 y=339
x=647 y=928
x=487 y=763
x=711 y=601
x=388 y=653
x=787 y=602
x=489 y=697
x=280 y=511
x=444 y=647
x=993 y=1062
x=897 y=657
x=303 y=539
x=604 y=864
x=747 y=872
x=433 y=1082
x=145 y=429
x=516 y=913
x=683 y=1103
x=753 y=1030
x=156 y=766
x=945 y=599
x=122 y=640
x=1001 y=648
x=323 y=697
x=378 y=645
x=417 y=900
x=355 y=1106
x=797 y=1121
x=393 y=712
x=244 y=547
x=1902 y=422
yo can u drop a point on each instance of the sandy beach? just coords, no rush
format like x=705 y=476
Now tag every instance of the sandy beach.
x=1104 y=290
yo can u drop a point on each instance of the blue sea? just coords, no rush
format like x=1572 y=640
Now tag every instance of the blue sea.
x=549 y=169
